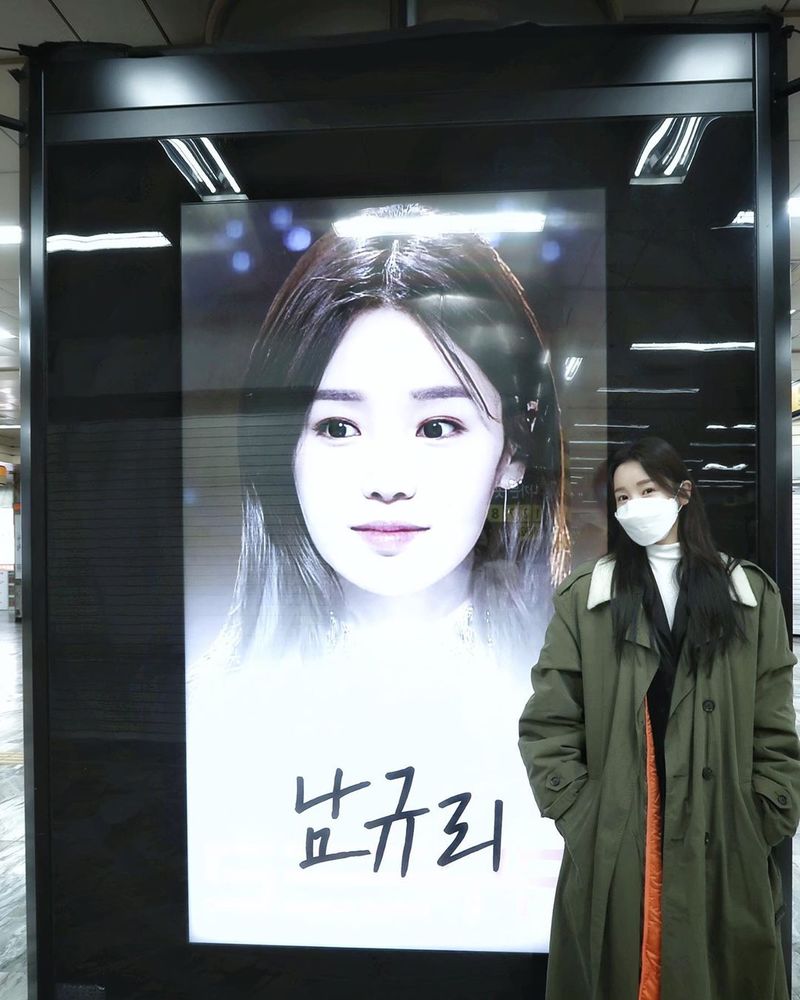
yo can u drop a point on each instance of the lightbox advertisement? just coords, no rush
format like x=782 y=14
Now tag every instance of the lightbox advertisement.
x=376 y=511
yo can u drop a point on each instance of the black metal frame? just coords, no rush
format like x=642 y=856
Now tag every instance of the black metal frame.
x=33 y=353
x=774 y=349
x=78 y=101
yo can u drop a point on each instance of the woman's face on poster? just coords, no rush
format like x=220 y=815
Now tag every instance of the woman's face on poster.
x=396 y=464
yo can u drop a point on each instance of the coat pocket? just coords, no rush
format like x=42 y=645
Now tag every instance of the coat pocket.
x=578 y=826
x=753 y=814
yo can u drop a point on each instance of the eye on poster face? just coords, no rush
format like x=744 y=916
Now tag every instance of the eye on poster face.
x=377 y=509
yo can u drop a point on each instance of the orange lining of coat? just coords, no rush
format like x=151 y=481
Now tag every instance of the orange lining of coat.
x=650 y=978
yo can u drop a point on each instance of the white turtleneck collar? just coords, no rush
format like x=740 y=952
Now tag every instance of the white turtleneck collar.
x=664 y=561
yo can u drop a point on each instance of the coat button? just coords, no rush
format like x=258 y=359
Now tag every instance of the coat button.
x=708 y=705
x=707 y=773
x=555 y=781
x=782 y=800
x=707 y=838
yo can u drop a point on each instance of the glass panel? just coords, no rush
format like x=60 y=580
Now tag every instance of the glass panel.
x=394 y=435
x=643 y=294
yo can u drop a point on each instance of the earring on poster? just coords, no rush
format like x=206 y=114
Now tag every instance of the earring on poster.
x=505 y=486
x=531 y=412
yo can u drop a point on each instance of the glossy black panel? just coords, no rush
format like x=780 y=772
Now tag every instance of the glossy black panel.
x=116 y=665
x=397 y=111
x=478 y=62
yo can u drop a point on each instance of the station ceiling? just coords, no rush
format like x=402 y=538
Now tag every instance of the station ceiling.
x=198 y=22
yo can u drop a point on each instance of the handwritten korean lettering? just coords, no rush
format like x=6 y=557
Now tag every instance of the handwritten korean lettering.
x=401 y=813
x=456 y=827
x=459 y=831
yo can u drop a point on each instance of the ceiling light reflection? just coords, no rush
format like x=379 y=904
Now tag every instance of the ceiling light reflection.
x=654 y=392
x=106 y=241
x=722 y=444
x=723 y=482
x=668 y=151
x=439 y=223
x=223 y=166
x=620 y=427
x=725 y=345
x=192 y=163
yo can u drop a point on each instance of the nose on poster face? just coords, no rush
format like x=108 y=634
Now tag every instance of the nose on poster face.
x=389 y=477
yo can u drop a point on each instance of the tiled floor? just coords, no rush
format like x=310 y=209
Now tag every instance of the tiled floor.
x=796 y=859
x=13 y=976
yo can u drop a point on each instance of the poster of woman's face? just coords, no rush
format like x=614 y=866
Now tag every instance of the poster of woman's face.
x=377 y=508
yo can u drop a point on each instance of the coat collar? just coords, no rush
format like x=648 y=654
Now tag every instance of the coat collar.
x=600 y=585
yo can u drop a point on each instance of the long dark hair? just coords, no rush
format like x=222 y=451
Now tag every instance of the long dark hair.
x=713 y=622
x=464 y=296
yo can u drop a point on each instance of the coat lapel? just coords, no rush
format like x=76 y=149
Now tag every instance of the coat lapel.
x=600 y=592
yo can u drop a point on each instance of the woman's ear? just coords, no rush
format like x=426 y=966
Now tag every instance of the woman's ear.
x=685 y=492
x=509 y=474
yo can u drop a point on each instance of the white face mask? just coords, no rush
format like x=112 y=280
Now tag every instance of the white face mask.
x=646 y=520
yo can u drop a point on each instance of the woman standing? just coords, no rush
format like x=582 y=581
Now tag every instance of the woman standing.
x=661 y=739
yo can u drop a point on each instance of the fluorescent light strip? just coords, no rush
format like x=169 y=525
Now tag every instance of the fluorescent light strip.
x=192 y=163
x=743 y=427
x=694 y=125
x=723 y=482
x=223 y=166
x=726 y=345
x=651 y=143
x=437 y=224
x=722 y=444
x=747 y=217
x=10 y=236
x=655 y=392
x=106 y=241
x=681 y=152
x=10 y=427
x=716 y=467
x=618 y=427
x=571 y=366
x=597 y=442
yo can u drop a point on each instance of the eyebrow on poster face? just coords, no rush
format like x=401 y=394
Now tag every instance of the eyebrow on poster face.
x=434 y=392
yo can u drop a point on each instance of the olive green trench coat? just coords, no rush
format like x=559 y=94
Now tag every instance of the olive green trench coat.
x=733 y=791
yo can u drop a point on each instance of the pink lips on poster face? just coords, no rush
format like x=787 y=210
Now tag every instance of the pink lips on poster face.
x=388 y=538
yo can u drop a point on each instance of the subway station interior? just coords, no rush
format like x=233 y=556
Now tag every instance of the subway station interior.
x=321 y=325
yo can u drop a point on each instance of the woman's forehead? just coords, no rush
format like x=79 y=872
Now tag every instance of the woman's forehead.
x=629 y=475
x=385 y=352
